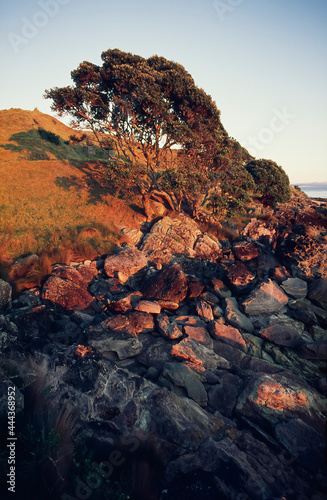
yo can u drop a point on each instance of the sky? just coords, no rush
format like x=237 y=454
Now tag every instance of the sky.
x=264 y=62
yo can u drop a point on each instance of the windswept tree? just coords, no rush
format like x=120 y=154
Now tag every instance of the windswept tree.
x=148 y=105
x=272 y=184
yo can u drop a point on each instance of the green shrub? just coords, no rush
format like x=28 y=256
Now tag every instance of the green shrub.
x=272 y=184
x=49 y=136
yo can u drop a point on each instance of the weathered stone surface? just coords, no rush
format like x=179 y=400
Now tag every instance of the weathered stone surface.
x=235 y=318
x=314 y=350
x=124 y=303
x=148 y=307
x=191 y=321
x=223 y=396
x=155 y=353
x=204 y=310
x=169 y=285
x=304 y=444
x=199 y=334
x=206 y=248
x=131 y=236
x=240 y=277
x=295 y=287
x=176 y=235
x=123 y=347
x=195 y=288
x=256 y=230
x=190 y=350
x=227 y=334
x=126 y=263
x=318 y=291
x=167 y=329
x=220 y=289
x=281 y=334
x=5 y=293
x=274 y=399
x=182 y=376
x=280 y=274
x=267 y=298
x=133 y=324
x=67 y=287
x=245 y=251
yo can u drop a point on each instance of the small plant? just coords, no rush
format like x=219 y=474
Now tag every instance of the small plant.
x=49 y=136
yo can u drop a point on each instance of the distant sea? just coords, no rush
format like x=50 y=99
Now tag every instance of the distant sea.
x=315 y=190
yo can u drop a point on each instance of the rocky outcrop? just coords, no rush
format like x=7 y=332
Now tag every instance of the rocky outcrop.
x=220 y=360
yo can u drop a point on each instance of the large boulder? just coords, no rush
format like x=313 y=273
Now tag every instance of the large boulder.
x=182 y=376
x=178 y=236
x=125 y=264
x=283 y=335
x=246 y=251
x=68 y=287
x=267 y=298
x=227 y=334
x=169 y=285
x=240 y=277
x=191 y=351
x=295 y=287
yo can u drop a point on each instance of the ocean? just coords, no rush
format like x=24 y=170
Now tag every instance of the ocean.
x=315 y=190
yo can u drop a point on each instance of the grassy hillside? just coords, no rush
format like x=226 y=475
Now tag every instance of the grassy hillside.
x=52 y=193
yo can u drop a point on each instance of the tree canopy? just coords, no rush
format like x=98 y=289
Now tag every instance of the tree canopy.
x=147 y=105
x=271 y=182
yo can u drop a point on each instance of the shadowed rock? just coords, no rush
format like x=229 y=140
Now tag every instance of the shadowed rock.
x=267 y=298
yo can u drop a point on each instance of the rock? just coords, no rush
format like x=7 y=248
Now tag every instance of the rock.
x=281 y=334
x=182 y=376
x=124 y=347
x=195 y=288
x=141 y=322
x=318 y=292
x=133 y=324
x=314 y=350
x=125 y=264
x=190 y=350
x=245 y=251
x=124 y=303
x=204 y=310
x=178 y=236
x=170 y=285
x=132 y=236
x=221 y=290
x=232 y=354
x=227 y=334
x=168 y=330
x=148 y=307
x=295 y=287
x=240 y=277
x=257 y=230
x=199 y=334
x=67 y=287
x=5 y=293
x=155 y=353
x=223 y=396
x=206 y=248
x=280 y=274
x=304 y=444
x=273 y=399
x=191 y=321
x=267 y=298
x=235 y=318
x=22 y=267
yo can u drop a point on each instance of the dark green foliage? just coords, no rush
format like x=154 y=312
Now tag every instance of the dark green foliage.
x=272 y=184
x=49 y=136
x=35 y=144
x=149 y=105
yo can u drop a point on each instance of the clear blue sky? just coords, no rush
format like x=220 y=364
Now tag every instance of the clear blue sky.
x=264 y=62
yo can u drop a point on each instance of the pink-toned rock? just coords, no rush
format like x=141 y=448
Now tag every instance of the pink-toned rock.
x=256 y=229
x=280 y=274
x=282 y=334
x=148 y=307
x=125 y=303
x=204 y=310
x=221 y=290
x=295 y=287
x=199 y=334
x=67 y=287
x=240 y=277
x=141 y=322
x=195 y=288
x=167 y=329
x=246 y=251
x=125 y=264
x=192 y=351
x=170 y=285
x=206 y=248
x=227 y=334
x=265 y=299
x=133 y=324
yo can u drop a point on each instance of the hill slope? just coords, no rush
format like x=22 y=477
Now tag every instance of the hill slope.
x=46 y=198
